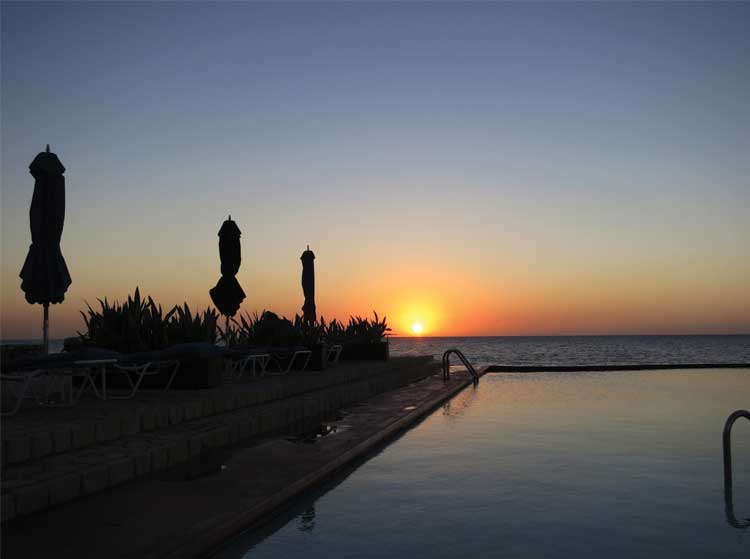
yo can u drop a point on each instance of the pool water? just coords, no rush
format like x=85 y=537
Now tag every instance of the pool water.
x=615 y=464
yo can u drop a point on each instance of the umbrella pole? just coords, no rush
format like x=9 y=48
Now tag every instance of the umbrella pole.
x=226 y=330
x=45 y=329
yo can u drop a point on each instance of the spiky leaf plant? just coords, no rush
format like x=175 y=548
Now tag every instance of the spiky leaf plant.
x=363 y=330
x=141 y=325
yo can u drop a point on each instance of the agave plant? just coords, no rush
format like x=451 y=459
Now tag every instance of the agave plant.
x=272 y=330
x=184 y=327
x=266 y=329
x=362 y=330
x=141 y=325
x=243 y=333
x=334 y=332
x=309 y=333
x=136 y=325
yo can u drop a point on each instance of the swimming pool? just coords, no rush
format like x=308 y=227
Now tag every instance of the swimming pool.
x=618 y=464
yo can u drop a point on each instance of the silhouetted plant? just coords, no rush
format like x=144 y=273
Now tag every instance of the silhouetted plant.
x=334 y=332
x=271 y=330
x=141 y=325
x=362 y=330
x=268 y=329
x=310 y=333
x=136 y=325
x=243 y=333
x=184 y=327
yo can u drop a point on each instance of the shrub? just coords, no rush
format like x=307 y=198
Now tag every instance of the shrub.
x=185 y=328
x=363 y=331
x=309 y=334
x=334 y=332
x=140 y=325
x=268 y=329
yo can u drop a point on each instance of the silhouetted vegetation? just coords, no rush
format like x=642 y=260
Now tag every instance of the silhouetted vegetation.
x=139 y=324
x=268 y=329
x=358 y=331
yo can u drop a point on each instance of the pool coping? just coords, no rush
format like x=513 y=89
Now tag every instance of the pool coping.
x=195 y=517
x=213 y=539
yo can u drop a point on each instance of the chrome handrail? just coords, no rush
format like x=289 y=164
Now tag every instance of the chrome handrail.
x=728 y=497
x=466 y=363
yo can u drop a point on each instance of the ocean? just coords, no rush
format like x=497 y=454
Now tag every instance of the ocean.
x=569 y=350
x=584 y=350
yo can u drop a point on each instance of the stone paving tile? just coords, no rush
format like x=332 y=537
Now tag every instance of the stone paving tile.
x=64 y=488
x=121 y=470
x=93 y=479
x=84 y=434
x=17 y=449
x=108 y=428
x=41 y=444
x=61 y=437
x=31 y=498
x=8 y=506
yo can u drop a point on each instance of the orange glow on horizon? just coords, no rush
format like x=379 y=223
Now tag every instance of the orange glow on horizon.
x=508 y=297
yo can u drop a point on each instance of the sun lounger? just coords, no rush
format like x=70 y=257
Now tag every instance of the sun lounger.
x=19 y=385
x=289 y=356
x=238 y=360
x=136 y=366
x=283 y=359
x=93 y=365
x=53 y=374
x=334 y=352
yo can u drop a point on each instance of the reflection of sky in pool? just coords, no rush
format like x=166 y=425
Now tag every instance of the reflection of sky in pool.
x=622 y=464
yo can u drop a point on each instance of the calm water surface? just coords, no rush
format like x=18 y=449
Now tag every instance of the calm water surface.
x=584 y=350
x=625 y=464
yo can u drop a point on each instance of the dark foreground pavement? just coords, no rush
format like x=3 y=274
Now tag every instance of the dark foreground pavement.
x=169 y=518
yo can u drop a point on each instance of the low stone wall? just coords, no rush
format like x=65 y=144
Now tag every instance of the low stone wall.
x=52 y=456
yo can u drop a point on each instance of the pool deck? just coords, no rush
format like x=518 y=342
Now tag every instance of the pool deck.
x=158 y=516
x=53 y=455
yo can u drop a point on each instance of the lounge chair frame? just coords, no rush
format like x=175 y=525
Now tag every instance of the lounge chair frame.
x=334 y=352
x=57 y=380
x=141 y=371
x=258 y=362
x=305 y=354
x=26 y=379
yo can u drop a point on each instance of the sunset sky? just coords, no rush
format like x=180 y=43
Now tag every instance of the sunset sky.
x=484 y=169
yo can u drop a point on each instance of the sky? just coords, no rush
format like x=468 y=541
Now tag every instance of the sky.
x=483 y=169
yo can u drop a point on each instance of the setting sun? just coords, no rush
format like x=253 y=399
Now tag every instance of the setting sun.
x=417 y=328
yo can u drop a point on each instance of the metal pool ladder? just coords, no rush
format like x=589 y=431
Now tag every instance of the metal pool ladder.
x=466 y=363
x=728 y=497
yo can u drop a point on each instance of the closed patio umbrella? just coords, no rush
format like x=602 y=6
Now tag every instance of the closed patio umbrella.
x=228 y=295
x=44 y=275
x=308 y=285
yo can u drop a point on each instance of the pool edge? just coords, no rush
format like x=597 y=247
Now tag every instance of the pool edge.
x=212 y=538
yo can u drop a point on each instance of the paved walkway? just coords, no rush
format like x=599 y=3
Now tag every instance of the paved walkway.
x=52 y=456
x=165 y=518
